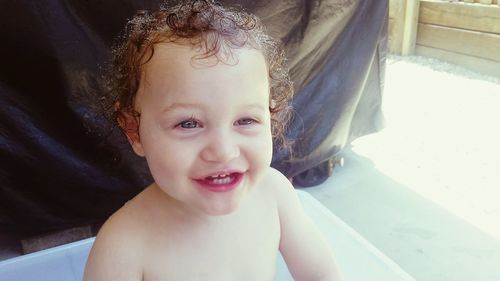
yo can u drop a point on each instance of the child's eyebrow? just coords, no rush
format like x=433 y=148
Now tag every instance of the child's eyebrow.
x=181 y=106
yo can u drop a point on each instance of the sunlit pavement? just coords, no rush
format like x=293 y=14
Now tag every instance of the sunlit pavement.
x=426 y=189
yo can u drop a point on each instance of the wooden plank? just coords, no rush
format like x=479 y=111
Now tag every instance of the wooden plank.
x=396 y=15
x=392 y=46
x=394 y=8
x=473 y=43
x=487 y=67
x=410 y=27
x=461 y=15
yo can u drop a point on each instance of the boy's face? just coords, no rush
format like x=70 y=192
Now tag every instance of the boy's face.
x=204 y=130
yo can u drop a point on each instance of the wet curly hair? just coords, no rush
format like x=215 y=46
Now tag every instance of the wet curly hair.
x=206 y=26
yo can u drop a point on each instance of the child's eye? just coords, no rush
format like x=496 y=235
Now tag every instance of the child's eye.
x=188 y=124
x=245 y=122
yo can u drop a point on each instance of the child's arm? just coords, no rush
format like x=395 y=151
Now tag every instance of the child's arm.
x=305 y=250
x=113 y=257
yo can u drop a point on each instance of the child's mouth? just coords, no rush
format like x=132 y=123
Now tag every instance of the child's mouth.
x=221 y=182
x=219 y=179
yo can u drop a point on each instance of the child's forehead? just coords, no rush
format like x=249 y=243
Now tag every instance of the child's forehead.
x=175 y=61
x=175 y=68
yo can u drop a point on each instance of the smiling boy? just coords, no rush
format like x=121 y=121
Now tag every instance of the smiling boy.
x=200 y=94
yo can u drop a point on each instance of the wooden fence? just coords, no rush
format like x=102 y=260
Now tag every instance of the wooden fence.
x=461 y=32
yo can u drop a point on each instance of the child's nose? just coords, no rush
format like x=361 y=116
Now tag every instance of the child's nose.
x=221 y=147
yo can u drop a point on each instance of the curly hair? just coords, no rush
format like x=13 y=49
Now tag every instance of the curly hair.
x=204 y=25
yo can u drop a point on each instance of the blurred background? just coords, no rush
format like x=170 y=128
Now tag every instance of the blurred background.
x=426 y=189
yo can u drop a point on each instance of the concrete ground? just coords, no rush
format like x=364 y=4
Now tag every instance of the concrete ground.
x=426 y=189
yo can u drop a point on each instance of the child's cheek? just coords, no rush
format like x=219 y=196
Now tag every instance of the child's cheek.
x=263 y=146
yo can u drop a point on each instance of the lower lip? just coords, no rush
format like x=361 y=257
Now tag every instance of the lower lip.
x=222 y=187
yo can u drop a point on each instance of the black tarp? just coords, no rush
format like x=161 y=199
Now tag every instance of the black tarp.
x=58 y=163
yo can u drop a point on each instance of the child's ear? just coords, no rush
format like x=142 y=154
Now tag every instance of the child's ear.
x=130 y=126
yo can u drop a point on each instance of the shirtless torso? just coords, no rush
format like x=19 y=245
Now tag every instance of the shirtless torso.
x=160 y=243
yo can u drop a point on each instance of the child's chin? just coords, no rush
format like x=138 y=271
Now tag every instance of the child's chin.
x=223 y=208
x=215 y=212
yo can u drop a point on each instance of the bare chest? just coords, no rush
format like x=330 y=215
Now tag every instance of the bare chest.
x=245 y=250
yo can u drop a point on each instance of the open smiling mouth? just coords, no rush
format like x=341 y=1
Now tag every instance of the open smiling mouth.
x=221 y=183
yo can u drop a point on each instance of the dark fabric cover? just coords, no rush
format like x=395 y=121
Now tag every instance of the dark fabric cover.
x=59 y=164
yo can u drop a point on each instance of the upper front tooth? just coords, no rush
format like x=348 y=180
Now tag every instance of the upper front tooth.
x=219 y=176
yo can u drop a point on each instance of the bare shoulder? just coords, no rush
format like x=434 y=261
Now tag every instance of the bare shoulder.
x=281 y=189
x=118 y=247
x=276 y=180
